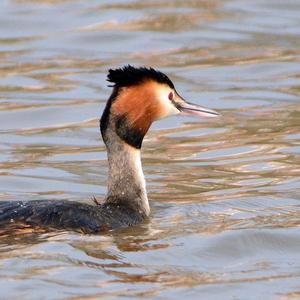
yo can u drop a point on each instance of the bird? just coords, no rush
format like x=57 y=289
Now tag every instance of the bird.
x=139 y=97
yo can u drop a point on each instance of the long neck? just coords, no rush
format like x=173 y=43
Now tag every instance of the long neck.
x=126 y=183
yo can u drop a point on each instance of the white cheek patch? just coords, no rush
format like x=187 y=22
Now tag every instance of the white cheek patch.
x=167 y=108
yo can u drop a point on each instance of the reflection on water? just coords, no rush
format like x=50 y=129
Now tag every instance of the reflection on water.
x=224 y=193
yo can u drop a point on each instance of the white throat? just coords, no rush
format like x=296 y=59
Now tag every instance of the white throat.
x=139 y=176
x=126 y=182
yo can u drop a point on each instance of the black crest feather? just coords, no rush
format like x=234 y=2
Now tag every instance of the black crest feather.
x=129 y=75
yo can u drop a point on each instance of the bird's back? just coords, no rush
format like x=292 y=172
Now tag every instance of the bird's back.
x=68 y=215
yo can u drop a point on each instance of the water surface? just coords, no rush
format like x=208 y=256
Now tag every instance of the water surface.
x=224 y=193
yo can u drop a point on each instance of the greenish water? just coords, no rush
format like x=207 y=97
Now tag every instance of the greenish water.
x=224 y=192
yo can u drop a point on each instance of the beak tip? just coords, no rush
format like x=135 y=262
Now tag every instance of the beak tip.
x=217 y=114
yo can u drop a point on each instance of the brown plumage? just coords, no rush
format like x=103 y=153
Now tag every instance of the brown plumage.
x=140 y=105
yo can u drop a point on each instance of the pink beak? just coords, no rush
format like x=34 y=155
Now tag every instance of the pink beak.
x=189 y=109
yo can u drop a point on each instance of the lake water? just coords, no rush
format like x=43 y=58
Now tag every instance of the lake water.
x=224 y=192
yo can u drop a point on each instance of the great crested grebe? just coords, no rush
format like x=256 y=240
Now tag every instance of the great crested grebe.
x=140 y=96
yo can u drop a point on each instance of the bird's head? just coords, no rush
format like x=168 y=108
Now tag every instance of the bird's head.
x=141 y=96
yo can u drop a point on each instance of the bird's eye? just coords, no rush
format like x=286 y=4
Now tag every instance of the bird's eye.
x=171 y=96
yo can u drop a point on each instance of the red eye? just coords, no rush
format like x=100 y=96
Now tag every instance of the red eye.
x=171 y=96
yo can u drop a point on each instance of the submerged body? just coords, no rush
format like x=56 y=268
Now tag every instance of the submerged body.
x=140 y=96
x=69 y=215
